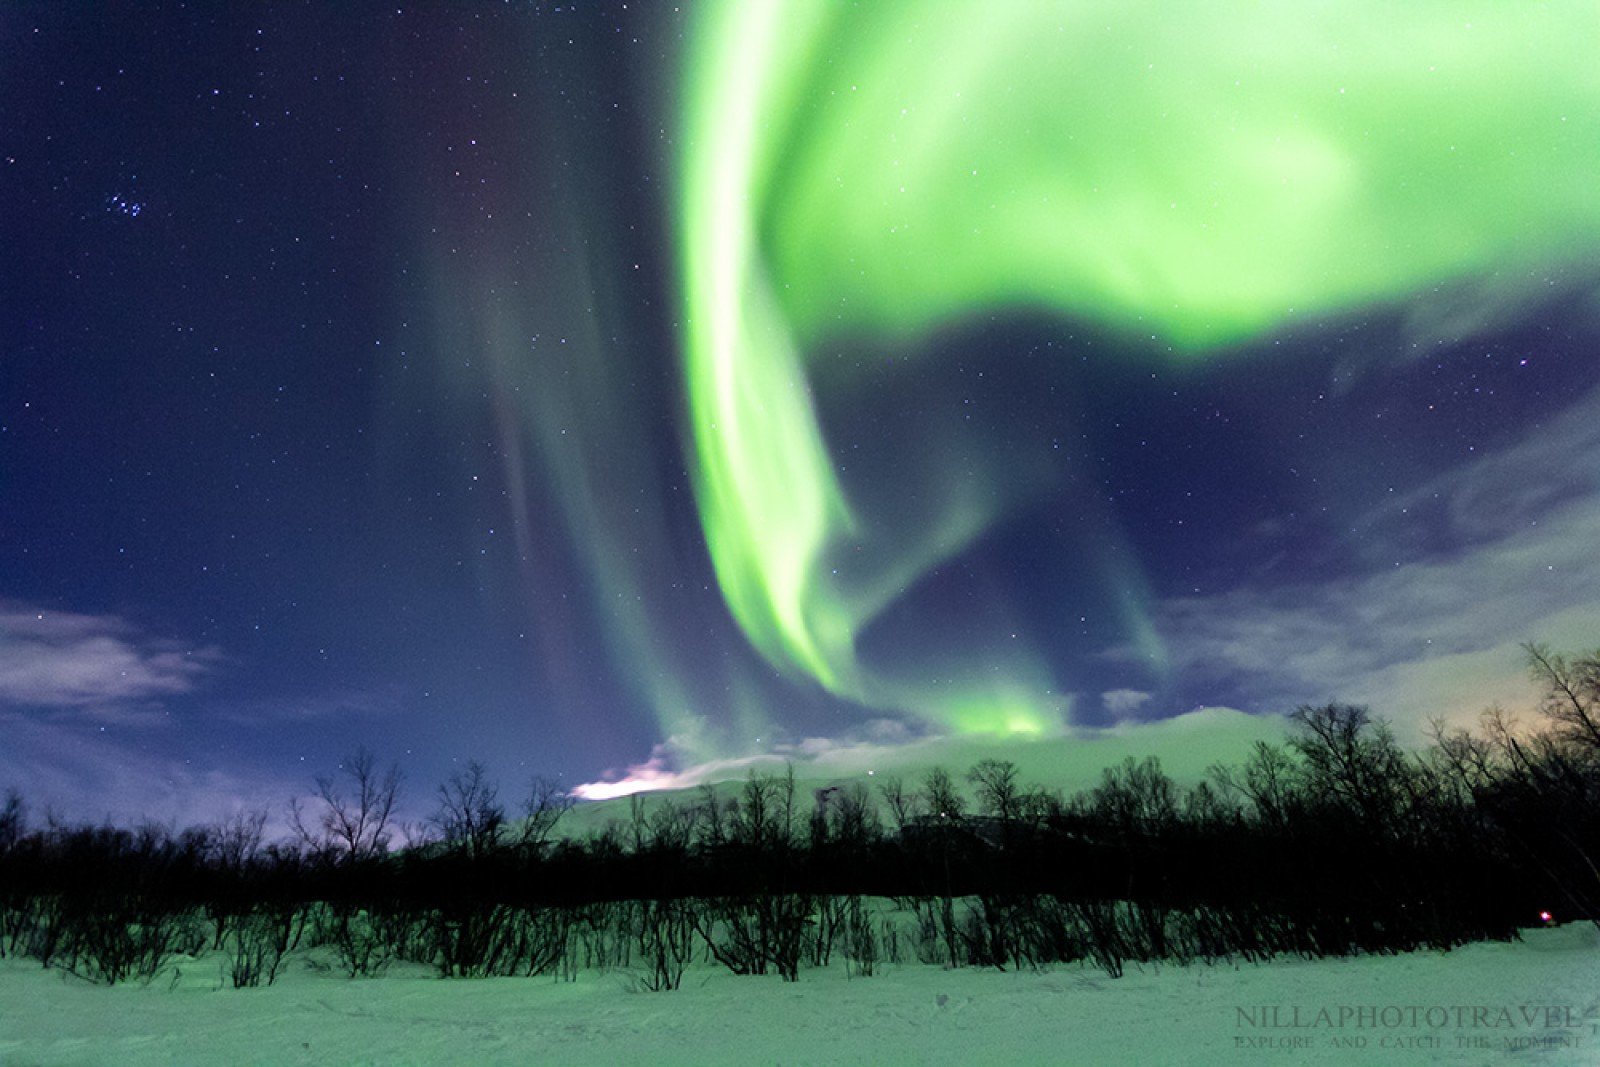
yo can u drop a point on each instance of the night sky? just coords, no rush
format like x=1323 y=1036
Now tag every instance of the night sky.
x=570 y=386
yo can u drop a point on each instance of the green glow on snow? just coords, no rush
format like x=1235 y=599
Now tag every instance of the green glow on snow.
x=1199 y=174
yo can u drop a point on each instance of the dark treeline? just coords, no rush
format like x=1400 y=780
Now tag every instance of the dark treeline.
x=1335 y=842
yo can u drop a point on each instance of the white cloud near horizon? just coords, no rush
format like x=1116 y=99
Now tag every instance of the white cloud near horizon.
x=1186 y=744
x=1124 y=703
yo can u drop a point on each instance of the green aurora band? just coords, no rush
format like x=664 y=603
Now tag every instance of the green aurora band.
x=1196 y=174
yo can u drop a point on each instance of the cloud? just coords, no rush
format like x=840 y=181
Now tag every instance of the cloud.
x=1422 y=631
x=101 y=665
x=315 y=707
x=651 y=776
x=1122 y=703
x=1186 y=744
x=72 y=769
x=1503 y=493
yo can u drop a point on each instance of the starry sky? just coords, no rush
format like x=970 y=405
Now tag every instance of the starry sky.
x=602 y=390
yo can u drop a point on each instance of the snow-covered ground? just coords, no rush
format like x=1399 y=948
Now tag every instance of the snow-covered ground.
x=1533 y=1002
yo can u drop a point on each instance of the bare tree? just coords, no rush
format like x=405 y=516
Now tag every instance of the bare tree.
x=1468 y=762
x=1571 y=697
x=756 y=820
x=854 y=816
x=1136 y=796
x=1353 y=758
x=470 y=816
x=1039 y=805
x=638 y=822
x=546 y=804
x=671 y=826
x=13 y=820
x=942 y=797
x=1270 y=780
x=998 y=792
x=355 y=814
x=904 y=804
x=712 y=815
x=235 y=840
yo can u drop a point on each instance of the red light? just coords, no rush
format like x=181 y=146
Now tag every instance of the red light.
x=1545 y=916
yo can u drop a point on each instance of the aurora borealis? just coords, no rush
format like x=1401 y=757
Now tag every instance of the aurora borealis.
x=1206 y=176
x=550 y=383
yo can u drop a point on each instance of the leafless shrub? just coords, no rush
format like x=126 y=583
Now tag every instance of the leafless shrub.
x=352 y=816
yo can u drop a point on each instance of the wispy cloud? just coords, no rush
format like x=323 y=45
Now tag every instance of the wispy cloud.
x=1122 y=703
x=101 y=665
x=1459 y=572
x=71 y=768
x=314 y=707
